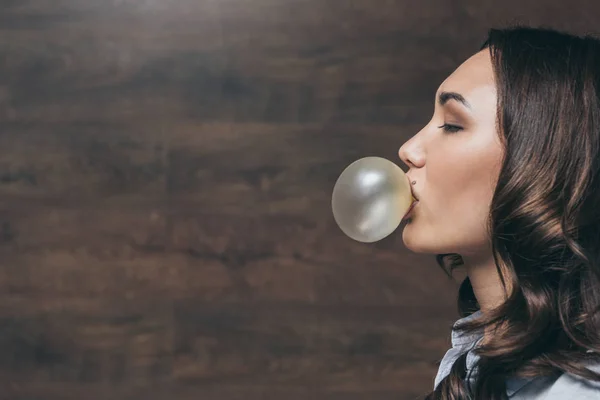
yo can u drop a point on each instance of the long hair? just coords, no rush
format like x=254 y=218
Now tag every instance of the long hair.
x=544 y=220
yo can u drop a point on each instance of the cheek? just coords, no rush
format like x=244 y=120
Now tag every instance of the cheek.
x=462 y=189
x=463 y=179
x=450 y=183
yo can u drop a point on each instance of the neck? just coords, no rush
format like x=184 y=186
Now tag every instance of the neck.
x=485 y=280
x=486 y=284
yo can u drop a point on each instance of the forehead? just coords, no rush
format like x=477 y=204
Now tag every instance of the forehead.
x=474 y=79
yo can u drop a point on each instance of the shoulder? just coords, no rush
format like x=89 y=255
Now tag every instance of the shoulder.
x=569 y=386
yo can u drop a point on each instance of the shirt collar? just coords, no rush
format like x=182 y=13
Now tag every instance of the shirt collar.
x=462 y=339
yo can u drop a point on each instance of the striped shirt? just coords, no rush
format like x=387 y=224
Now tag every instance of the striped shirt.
x=566 y=386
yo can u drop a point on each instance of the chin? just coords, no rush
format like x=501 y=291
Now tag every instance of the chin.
x=421 y=242
x=412 y=241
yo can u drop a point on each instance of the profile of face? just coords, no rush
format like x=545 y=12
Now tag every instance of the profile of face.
x=455 y=161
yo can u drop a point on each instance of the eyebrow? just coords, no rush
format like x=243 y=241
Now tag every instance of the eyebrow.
x=444 y=97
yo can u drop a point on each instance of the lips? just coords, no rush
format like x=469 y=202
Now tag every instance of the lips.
x=414 y=203
x=414 y=195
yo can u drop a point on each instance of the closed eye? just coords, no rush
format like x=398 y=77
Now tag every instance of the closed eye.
x=450 y=128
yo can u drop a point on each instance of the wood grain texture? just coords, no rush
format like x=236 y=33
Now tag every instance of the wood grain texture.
x=166 y=170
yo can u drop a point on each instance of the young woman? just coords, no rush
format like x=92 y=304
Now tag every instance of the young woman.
x=507 y=174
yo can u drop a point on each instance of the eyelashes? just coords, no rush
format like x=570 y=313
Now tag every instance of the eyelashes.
x=450 y=128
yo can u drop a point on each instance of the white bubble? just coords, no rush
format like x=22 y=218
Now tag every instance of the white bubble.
x=370 y=198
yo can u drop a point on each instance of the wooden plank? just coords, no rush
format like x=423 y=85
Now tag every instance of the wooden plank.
x=166 y=170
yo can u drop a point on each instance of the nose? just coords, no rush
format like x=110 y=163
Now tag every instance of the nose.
x=410 y=154
x=403 y=155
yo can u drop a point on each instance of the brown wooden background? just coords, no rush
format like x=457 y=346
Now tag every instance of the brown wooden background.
x=166 y=169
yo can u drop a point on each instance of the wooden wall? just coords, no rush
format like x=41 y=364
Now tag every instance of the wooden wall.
x=166 y=168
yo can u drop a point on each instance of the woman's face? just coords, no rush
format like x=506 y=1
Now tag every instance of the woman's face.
x=455 y=172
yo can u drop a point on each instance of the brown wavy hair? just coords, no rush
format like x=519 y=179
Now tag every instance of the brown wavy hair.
x=544 y=220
